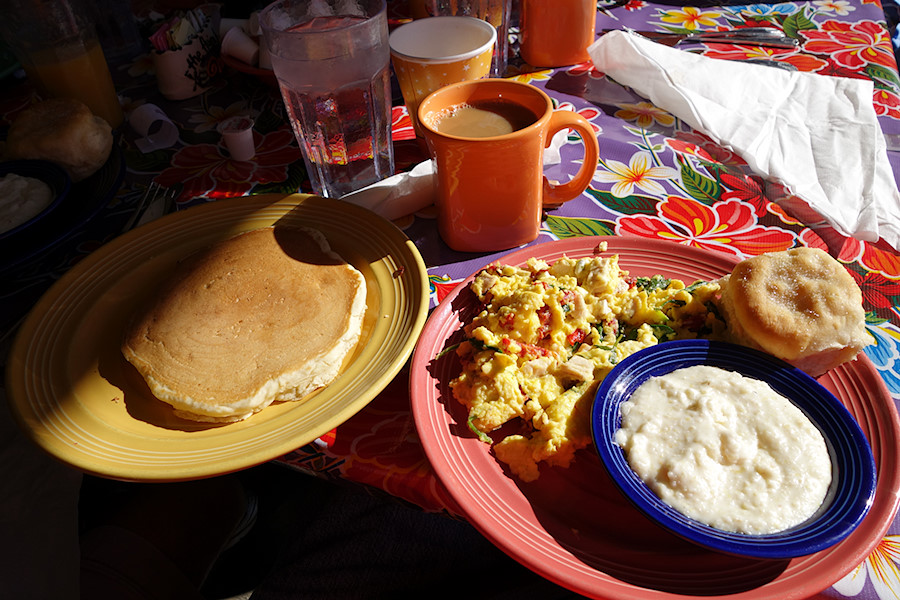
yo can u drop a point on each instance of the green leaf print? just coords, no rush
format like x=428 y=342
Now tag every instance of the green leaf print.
x=155 y=161
x=873 y=319
x=797 y=22
x=882 y=74
x=571 y=227
x=629 y=205
x=296 y=175
x=697 y=185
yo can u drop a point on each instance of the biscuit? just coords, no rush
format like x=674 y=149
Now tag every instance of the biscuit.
x=800 y=305
x=63 y=131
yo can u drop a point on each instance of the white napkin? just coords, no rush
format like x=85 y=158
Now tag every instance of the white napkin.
x=816 y=135
x=405 y=193
x=399 y=195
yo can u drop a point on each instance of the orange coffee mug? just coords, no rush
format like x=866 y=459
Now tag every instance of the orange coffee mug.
x=556 y=33
x=488 y=138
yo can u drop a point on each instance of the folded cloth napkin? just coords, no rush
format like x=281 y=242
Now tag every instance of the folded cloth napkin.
x=816 y=135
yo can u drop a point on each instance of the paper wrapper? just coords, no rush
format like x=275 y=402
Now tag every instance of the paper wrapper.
x=816 y=135
x=154 y=126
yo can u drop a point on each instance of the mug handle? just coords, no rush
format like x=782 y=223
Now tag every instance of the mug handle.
x=556 y=194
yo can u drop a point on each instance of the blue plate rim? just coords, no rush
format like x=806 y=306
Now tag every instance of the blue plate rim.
x=843 y=510
x=88 y=198
x=48 y=172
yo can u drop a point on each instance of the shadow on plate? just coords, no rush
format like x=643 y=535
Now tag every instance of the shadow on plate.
x=140 y=403
x=585 y=513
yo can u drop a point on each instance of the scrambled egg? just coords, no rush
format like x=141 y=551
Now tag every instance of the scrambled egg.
x=547 y=336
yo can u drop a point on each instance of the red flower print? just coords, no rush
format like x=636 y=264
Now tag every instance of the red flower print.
x=872 y=257
x=206 y=169
x=886 y=103
x=381 y=448
x=589 y=112
x=585 y=68
x=852 y=45
x=702 y=147
x=881 y=260
x=811 y=239
x=785 y=217
x=878 y=290
x=803 y=62
x=401 y=124
x=327 y=439
x=442 y=286
x=729 y=227
x=749 y=188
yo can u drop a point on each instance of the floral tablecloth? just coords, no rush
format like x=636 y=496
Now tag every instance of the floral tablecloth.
x=656 y=179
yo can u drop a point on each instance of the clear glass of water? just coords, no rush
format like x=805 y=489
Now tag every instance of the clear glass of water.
x=331 y=58
x=495 y=12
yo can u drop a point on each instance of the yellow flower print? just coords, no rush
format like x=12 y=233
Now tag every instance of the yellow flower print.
x=691 y=17
x=882 y=568
x=534 y=76
x=639 y=172
x=838 y=7
x=644 y=114
x=209 y=120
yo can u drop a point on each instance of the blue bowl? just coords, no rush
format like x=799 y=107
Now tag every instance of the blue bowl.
x=853 y=468
x=48 y=172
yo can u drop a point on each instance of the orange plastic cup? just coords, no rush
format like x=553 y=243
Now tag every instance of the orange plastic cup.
x=430 y=53
x=491 y=191
x=556 y=33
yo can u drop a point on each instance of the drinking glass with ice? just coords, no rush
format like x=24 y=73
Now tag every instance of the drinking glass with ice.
x=331 y=58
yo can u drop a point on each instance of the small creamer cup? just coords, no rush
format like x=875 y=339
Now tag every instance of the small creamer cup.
x=238 y=44
x=491 y=191
x=428 y=54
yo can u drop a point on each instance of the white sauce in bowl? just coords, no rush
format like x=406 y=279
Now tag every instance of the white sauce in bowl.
x=21 y=199
x=725 y=449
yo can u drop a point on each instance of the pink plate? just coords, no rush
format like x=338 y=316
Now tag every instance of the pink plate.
x=572 y=525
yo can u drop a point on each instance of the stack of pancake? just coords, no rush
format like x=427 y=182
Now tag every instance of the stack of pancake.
x=269 y=315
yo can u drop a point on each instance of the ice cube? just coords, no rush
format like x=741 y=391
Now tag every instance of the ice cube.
x=319 y=8
x=279 y=20
x=349 y=7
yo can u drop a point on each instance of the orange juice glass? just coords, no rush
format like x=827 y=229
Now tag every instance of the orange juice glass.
x=83 y=75
x=58 y=47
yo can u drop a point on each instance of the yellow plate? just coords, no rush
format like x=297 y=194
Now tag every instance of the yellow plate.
x=74 y=394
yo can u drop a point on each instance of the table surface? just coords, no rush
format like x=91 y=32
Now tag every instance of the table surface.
x=379 y=446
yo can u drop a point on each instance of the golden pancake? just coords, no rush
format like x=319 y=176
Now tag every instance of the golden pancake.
x=800 y=305
x=268 y=315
